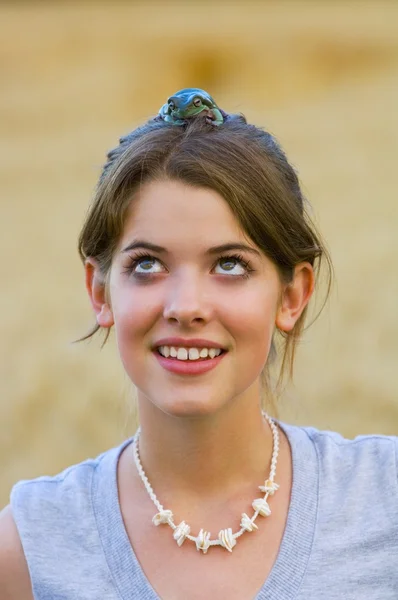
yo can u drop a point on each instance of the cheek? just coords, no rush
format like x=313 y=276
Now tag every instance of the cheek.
x=251 y=320
x=134 y=315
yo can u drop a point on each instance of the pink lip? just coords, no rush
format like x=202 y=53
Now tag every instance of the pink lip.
x=187 y=343
x=188 y=367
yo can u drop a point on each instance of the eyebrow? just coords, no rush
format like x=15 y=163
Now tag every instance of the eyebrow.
x=209 y=252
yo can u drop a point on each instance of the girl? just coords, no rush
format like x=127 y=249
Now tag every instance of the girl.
x=198 y=251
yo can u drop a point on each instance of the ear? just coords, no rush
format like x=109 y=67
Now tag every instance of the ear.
x=295 y=297
x=96 y=289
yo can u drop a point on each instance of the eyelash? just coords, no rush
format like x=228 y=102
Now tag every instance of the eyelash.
x=139 y=256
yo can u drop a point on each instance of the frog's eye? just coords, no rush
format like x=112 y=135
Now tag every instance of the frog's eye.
x=197 y=102
x=171 y=104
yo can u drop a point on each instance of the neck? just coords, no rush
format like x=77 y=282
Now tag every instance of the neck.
x=205 y=456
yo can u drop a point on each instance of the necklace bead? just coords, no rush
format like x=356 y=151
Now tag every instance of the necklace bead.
x=181 y=532
x=226 y=539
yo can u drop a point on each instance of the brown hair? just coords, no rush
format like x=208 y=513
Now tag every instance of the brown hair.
x=241 y=162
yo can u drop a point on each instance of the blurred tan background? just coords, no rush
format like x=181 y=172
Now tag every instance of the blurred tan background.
x=322 y=76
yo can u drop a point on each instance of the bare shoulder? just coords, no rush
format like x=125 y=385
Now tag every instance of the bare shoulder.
x=14 y=575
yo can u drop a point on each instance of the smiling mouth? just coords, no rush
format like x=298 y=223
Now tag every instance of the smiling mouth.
x=189 y=355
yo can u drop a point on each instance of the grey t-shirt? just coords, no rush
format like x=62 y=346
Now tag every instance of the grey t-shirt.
x=340 y=540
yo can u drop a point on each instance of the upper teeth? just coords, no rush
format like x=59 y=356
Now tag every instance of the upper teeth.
x=188 y=353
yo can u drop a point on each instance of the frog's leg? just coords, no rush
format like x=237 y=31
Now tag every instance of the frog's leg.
x=216 y=117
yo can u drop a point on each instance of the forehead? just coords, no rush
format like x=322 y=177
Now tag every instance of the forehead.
x=177 y=213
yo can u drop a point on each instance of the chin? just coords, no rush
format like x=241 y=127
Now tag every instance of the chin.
x=188 y=403
x=188 y=408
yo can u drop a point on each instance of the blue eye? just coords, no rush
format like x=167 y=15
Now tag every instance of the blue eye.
x=142 y=260
x=143 y=263
x=234 y=260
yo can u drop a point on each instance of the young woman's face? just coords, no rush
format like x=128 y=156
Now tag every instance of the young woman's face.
x=228 y=298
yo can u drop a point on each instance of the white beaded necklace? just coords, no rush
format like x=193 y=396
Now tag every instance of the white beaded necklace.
x=226 y=538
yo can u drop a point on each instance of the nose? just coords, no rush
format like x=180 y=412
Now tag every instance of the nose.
x=187 y=302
